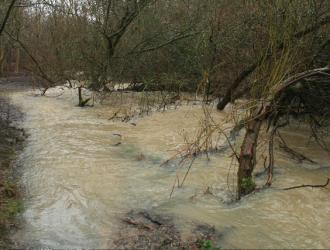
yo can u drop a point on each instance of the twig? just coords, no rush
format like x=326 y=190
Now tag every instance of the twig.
x=312 y=186
x=185 y=176
x=270 y=167
x=176 y=180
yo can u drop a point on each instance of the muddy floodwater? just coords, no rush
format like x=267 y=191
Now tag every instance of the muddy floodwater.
x=82 y=172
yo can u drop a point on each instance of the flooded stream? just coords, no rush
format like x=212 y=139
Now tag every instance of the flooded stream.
x=81 y=172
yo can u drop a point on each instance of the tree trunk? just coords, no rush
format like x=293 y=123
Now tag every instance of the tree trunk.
x=80 y=97
x=17 y=60
x=2 y=59
x=82 y=102
x=248 y=154
x=269 y=111
x=247 y=159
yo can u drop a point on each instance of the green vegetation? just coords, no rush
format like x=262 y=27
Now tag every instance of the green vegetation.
x=11 y=207
x=10 y=202
x=248 y=184
x=206 y=245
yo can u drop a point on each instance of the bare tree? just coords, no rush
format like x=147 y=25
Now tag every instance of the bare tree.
x=230 y=93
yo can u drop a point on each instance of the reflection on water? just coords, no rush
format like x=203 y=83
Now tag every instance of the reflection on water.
x=79 y=181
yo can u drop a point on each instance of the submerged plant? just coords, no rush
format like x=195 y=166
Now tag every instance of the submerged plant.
x=248 y=184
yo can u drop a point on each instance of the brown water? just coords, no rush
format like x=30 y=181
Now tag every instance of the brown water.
x=78 y=183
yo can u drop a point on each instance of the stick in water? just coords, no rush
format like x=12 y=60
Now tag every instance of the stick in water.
x=302 y=186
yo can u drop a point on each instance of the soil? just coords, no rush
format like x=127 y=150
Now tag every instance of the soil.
x=11 y=142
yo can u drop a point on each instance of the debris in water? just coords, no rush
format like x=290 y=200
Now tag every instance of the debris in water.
x=146 y=230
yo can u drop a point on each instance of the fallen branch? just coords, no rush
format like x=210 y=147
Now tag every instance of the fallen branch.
x=300 y=157
x=137 y=223
x=312 y=186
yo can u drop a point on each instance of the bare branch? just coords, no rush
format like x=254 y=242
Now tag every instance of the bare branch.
x=312 y=186
x=5 y=20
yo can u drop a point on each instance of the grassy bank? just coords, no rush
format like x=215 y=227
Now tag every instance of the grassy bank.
x=11 y=142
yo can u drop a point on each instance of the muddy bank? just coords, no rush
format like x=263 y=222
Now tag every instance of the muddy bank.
x=11 y=142
x=148 y=230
